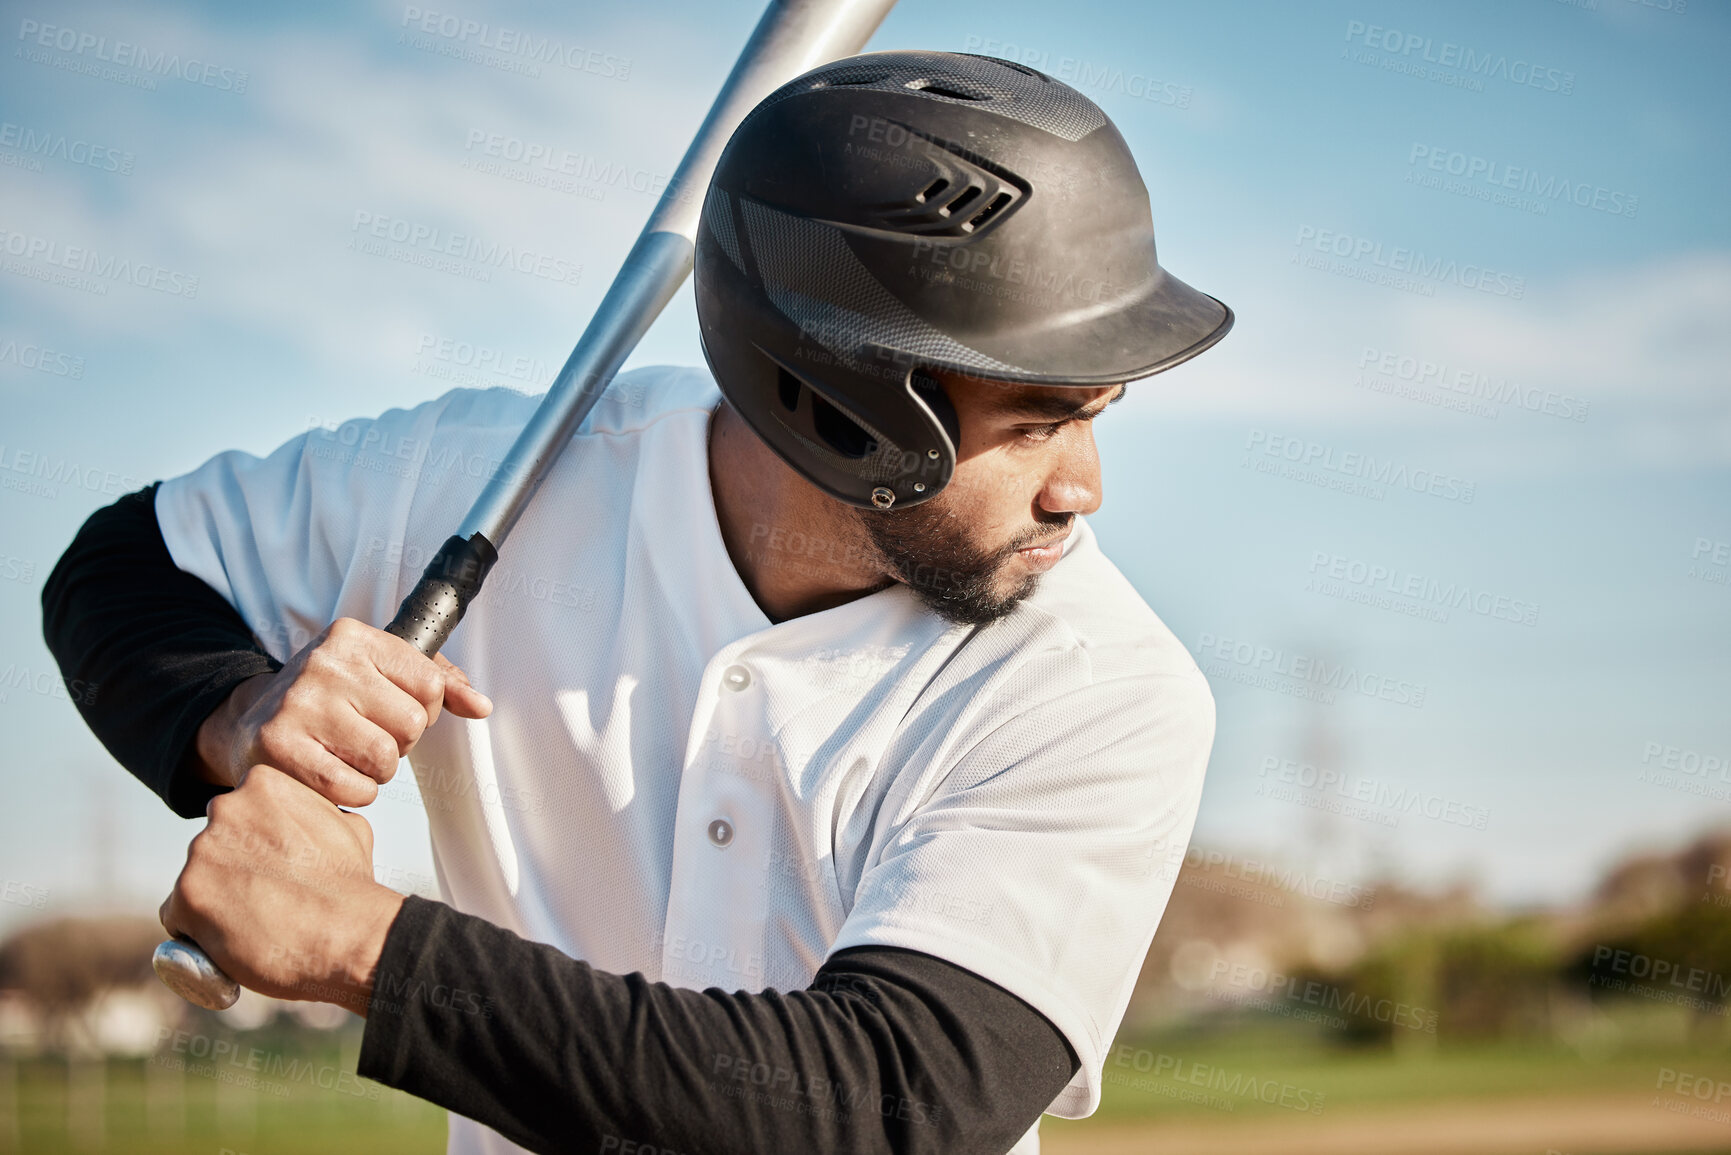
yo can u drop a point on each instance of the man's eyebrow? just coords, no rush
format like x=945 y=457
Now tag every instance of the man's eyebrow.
x=1054 y=407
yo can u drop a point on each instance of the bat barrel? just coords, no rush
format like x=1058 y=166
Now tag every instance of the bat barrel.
x=652 y=273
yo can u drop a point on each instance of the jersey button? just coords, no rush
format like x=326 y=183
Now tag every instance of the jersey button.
x=735 y=678
x=721 y=832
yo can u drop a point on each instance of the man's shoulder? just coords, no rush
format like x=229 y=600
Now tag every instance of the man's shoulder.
x=632 y=402
x=642 y=397
x=1087 y=611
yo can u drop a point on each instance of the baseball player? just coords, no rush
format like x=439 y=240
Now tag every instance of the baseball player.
x=818 y=798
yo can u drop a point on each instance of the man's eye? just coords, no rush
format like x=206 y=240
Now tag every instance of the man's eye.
x=1042 y=432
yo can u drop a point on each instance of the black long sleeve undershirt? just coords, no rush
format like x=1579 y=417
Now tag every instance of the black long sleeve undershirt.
x=151 y=649
x=888 y=1050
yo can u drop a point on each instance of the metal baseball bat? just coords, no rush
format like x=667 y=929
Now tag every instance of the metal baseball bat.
x=793 y=37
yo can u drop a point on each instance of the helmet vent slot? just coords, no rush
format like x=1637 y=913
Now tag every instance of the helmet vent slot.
x=787 y=390
x=852 y=81
x=960 y=198
x=838 y=430
x=835 y=428
x=988 y=212
x=966 y=198
x=939 y=88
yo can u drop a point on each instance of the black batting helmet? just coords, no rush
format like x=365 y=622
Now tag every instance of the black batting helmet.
x=904 y=211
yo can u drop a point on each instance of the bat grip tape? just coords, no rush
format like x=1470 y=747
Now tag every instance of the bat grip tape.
x=447 y=586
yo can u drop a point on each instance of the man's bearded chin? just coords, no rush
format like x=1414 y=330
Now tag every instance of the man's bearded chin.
x=927 y=547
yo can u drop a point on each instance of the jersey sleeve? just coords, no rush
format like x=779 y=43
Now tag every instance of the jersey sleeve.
x=315 y=531
x=886 y=1053
x=1041 y=858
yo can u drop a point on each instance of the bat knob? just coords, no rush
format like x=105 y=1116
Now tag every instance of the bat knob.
x=188 y=972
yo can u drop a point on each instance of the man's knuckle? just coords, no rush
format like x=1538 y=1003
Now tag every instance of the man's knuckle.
x=382 y=754
x=298 y=698
x=191 y=891
x=324 y=662
x=275 y=736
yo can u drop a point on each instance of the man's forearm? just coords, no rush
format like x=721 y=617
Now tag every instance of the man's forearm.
x=887 y=1051
x=213 y=756
x=152 y=650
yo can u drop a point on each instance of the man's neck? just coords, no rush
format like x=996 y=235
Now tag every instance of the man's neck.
x=797 y=549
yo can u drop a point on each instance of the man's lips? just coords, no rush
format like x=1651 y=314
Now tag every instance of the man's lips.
x=1043 y=555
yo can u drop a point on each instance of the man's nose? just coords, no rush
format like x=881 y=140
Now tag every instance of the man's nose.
x=1074 y=484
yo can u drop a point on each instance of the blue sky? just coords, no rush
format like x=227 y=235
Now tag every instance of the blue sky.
x=1448 y=231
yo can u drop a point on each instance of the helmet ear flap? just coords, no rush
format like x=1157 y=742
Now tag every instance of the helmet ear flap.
x=930 y=390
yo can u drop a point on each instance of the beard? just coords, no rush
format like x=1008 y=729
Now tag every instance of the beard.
x=928 y=548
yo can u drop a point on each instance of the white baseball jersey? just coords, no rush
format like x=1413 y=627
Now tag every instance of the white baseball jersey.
x=672 y=784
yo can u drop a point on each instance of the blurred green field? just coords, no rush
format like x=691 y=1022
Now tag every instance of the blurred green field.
x=307 y=1100
x=1166 y=1091
x=141 y=1107
x=1346 y=1078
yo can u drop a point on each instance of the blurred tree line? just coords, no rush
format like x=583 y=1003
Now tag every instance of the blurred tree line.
x=1656 y=930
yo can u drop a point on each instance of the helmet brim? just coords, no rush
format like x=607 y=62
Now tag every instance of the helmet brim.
x=1165 y=326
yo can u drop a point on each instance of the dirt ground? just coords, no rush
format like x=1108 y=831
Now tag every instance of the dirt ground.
x=1602 y=1125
